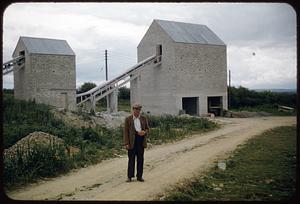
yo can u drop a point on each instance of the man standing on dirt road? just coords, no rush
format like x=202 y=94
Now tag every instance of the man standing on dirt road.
x=135 y=135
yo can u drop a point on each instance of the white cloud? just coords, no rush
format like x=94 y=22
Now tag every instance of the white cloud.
x=8 y=81
x=255 y=67
x=267 y=29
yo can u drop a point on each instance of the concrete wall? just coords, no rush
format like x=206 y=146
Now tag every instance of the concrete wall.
x=49 y=79
x=155 y=89
x=201 y=72
x=186 y=70
x=21 y=76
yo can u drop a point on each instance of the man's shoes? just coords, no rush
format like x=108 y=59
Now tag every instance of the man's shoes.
x=128 y=180
x=140 y=179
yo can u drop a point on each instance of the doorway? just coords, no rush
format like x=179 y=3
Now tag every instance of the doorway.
x=190 y=105
x=214 y=105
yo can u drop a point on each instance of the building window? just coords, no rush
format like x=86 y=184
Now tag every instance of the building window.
x=160 y=49
x=215 y=105
x=21 y=61
x=22 y=53
x=158 y=52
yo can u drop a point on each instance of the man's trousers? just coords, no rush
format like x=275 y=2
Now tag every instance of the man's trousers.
x=138 y=152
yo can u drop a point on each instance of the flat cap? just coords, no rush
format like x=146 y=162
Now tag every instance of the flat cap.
x=137 y=106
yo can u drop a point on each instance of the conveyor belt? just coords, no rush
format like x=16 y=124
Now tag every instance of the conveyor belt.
x=103 y=90
x=10 y=65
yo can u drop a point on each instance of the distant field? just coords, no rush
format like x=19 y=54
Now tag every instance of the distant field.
x=277 y=90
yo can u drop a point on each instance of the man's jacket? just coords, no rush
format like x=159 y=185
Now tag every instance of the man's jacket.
x=129 y=131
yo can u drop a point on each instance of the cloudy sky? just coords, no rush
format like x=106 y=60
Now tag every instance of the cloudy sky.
x=268 y=30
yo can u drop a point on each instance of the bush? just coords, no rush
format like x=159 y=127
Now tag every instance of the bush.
x=23 y=117
x=85 y=87
x=243 y=97
x=124 y=93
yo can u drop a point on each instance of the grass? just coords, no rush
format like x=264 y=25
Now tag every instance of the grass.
x=167 y=128
x=24 y=117
x=95 y=144
x=273 y=109
x=123 y=105
x=41 y=160
x=264 y=169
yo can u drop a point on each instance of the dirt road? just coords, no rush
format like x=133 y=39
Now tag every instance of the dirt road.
x=164 y=165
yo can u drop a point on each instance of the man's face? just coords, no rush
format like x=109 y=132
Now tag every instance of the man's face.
x=136 y=111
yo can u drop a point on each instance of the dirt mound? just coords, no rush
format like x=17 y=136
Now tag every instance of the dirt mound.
x=110 y=120
x=35 y=138
x=77 y=120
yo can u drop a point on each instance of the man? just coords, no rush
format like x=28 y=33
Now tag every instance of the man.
x=136 y=131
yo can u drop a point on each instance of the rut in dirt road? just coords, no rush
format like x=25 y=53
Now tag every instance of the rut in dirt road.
x=165 y=165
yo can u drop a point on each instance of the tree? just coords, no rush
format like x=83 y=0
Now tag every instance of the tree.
x=243 y=97
x=85 y=87
x=124 y=93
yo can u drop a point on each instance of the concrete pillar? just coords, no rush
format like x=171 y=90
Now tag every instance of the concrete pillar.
x=202 y=105
x=112 y=106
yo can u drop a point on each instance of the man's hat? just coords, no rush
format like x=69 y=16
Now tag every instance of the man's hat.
x=137 y=106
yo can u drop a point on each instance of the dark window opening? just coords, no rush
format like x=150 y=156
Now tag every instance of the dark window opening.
x=158 y=52
x=22 y=53
x=215 y=105
x=190 y=105
x=21 y=61
x=159 y=49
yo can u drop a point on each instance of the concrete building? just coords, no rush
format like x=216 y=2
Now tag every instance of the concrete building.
x=191 y=76
x=49 y=74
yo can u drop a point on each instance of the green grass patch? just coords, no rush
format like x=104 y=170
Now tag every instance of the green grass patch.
x=263 y=169
x=123 y=105
x=272 y=109
x=167 y=128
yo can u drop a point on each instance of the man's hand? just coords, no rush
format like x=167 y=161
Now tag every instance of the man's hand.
x=141 y=133
x=126 y=146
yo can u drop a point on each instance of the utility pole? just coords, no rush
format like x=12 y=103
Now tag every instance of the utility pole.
x=229 y=90
x=106 y=74
x=106 y=78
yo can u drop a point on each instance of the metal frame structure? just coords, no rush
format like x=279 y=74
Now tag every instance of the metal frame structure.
x=107 y=88
x=11 y=65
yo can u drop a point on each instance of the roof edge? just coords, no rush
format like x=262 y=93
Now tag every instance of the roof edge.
x=67 y=50
x=218 y=40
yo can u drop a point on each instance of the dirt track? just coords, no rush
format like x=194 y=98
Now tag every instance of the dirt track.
x=164 y=165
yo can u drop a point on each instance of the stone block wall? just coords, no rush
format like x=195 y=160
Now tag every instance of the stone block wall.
x=48 y=79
